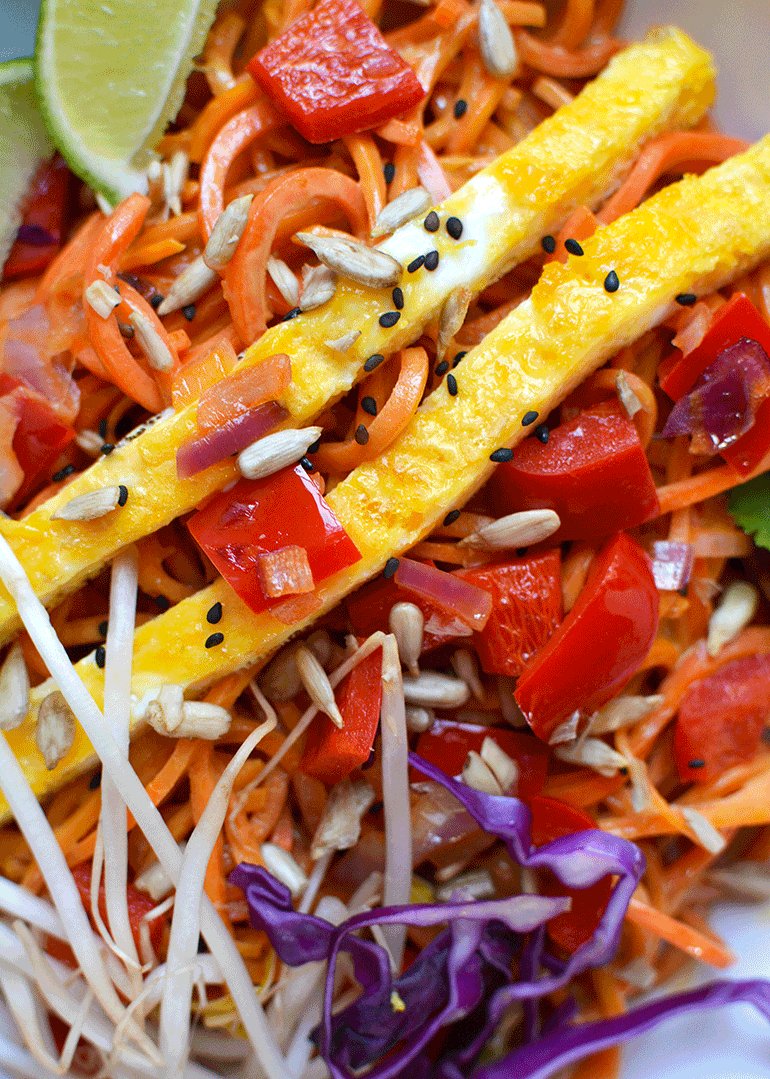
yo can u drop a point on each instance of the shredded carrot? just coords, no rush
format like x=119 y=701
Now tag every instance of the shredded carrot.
x=203 y=778
x=580 y=225
x=483 y=93
x=572 y=29
x=705 y=485
x=217 y=57
x=551 y=92
x=366 y=158
x=682 y=936
x=574 y=571
x=146 y=254
x=556 y=61
x=204 y=371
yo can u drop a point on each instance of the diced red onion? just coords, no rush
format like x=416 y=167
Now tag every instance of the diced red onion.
x=671 y=565
x=35 y=236
x=471 y=605
x=232 y=437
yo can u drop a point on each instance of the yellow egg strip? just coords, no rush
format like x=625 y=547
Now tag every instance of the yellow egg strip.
x=575 y=157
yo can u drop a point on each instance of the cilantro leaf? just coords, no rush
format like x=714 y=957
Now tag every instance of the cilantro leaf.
x=750 y=507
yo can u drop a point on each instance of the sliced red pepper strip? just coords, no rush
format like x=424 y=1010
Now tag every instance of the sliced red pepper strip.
x=39 y=438
x=260 y=516
x=593 y=472
x=332 y=73
x=139 y=904
x=552 y=819
x=721 y=719
x=599 y=645
x=331 y=753
x=447 y=744
x=42 y=227
x=527 y=608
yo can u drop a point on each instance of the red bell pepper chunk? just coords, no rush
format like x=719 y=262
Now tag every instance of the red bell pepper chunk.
x=447 y=744
x=257 y=517
x=599 y=645
x=677 y=374
x=331 y=753
x=721 y=719
x=552 y=819
x=139 y=904
x=332 y=73
x=593 y=472
x=39 y=438
x=41 y=231
x=527 y=608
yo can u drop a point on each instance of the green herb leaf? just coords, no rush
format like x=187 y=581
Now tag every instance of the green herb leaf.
x=750 y=506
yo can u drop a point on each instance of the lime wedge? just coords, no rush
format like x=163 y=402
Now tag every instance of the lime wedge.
x=110 y=74
x=23 y=145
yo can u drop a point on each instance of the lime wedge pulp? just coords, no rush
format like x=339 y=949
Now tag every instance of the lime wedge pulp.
x=110 y=74
x=24 y=145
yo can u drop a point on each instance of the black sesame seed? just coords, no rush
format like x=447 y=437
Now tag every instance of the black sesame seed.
x=314 y=447
x=103 y=628
x=292 y=314
x=369 y=405
x=686 y=299
x=451 y=385
x=102 y=428
x=501 y=456
x=63 y=473
x=390 y=567
x=542 y=433
x=362 y=435
x=451 y=517
x=371 y=363
x=390 y=171
x=431 y=260
x=122 y=494
x=106 y=448
x=623 y=771
x=307 y=464
x=389 y=318
x=459 y=356
x=214 y=639
x=95 y=781
x=162 y=603
x=156 y=301
x=100 y=655
x=189 y=311
x=528 y=418
x=611 y=282
x=461 y=107
x=398 y=299
x=214 y=614
x=442 y=368
x=454 y=227
x=415 y=264
x=548 y=244
x=573 y=247
x=431 y=222
x=697 y=762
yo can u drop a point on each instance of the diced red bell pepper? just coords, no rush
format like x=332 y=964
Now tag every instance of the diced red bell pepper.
x=552 y=819
x=139 y=904
x=447 y=744
x=41 y=231
x=592 y=471
x=721 y=719
x=332 y=73
x=331 y=752
x=527 y=609
x=677 y=374
x=599 y=645
x=39 y=438
x=259 y=516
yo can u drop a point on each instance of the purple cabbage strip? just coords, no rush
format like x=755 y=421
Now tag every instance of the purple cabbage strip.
x=35 y=236
x=565 y=1046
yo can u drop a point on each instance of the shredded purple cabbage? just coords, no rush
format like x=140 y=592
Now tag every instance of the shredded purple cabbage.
x=722 y=404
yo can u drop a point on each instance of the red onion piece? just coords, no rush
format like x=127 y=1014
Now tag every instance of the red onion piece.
x=671 y=565
x=471 y=605
x=230 y=438
x=35 y=236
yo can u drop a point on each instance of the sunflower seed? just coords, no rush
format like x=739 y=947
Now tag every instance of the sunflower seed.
x=638 y=973
x=566 y=731
x=406 y=623
x=622 y=712
x=406 y=206
x=174 y=178
x=191 y=284
x=151 y=343
x=203 y=720
x=738 y=607
x=498 y=50
x=354 y=260
x=419 y=720
x=101 y=298
x=626 y=395
x=228 y=229
x=478 y=775
x=164 y=714
x=281 y=864
x=451 y=319
x=465 y=666
x=14 y=689
x=318 y=287
x=55 y=729
x=475 y=884
x=342 y=344
x=340 y=825
x=90 y=442
x=503 y=768
x=592 y=753
x=512 y=714
x=284 y=280
x=515 y=530
x=280 y=680
x=155 y=881
x=317 y=684
x=705 y=832
x=433 y=690
x=274 y=452
x=88 y=506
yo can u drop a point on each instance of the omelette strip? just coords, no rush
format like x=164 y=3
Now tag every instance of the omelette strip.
x=577 y=156
x=693 y=236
